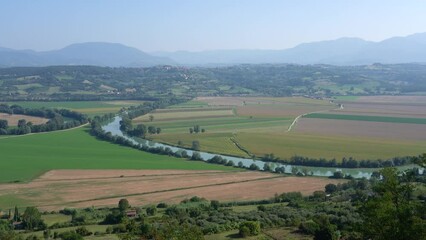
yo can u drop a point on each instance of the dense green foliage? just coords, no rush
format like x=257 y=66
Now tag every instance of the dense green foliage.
x=345 y=162
x=96 y=83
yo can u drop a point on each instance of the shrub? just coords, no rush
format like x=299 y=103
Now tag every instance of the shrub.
x=249 y=228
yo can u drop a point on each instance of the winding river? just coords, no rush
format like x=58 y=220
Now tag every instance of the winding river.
x=114 y=128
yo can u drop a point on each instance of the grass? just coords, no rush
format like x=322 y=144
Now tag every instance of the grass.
x=91 y=228
x=367 y=118
x=26 y=157
x=287 y=233
x=233 y=234
x=51 y=219
x=316 y=146
x=221 y=124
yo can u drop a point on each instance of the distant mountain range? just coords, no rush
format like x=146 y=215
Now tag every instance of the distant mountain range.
x=343 y=51
x=94 y=53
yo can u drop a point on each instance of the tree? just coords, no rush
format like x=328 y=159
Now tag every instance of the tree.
x=151 y=118
x=191 y=130
x=16 y=216
x=139 y=131
x=420 y=160
x=83 y=231
x=197 y=128
x=123 y=205
x=4 y=124
x=152 y=130
x=266 y=167
x=254 y=167
x=214 y=204
x=391 y=213
x=326 y=230
x=126 y=124
x=22 y=123
x=158 y=130
x=196 y=145
x=203 y=130
x=70 y=235
x=151 y=210
x=330 y=188
x=196 y=156
x=249 y=228
x=31 y=219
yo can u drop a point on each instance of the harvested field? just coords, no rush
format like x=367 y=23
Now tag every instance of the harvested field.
x=82 y=188
x=13 y=119
x=385 y=130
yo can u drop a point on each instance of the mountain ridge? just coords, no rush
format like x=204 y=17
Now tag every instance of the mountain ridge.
x=341 y=51
x=90 y=53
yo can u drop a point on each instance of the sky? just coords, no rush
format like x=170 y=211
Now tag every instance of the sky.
x=197 y=25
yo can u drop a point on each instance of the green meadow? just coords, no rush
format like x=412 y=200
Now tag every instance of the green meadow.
x=315 y=146
x=25 y=157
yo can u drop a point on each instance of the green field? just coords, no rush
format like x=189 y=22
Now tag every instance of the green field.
x=209 y=142
x=367 y=118
x=221 y=124
x=91 y=228
x=25 y=157
x=190 y=104
x=316 y=146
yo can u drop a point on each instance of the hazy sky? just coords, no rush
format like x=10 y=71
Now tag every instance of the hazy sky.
x=194 y=25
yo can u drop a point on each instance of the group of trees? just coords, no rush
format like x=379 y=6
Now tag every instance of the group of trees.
x=344 y=163
x=56 y=120
x=139 y=131
x=196 y=129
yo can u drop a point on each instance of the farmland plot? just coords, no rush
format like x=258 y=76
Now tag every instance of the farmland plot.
x=84 y=188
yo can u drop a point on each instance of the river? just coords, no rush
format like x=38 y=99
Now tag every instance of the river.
x=114 y=128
